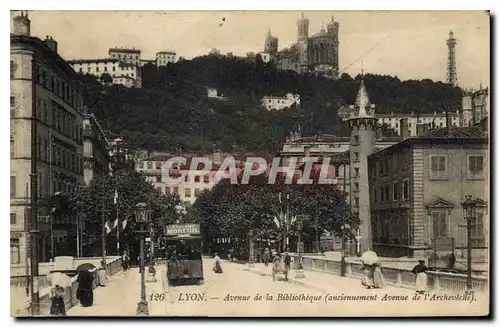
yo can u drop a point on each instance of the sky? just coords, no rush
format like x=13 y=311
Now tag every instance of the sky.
x=407 y=44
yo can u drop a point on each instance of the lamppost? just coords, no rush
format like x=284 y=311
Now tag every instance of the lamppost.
x=250 y=249
x=299 y=273
x=142 y=217
x=343 y=230
x=469 y=208
x=151 y=269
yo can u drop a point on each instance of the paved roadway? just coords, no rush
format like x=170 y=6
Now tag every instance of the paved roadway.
x=120 y=297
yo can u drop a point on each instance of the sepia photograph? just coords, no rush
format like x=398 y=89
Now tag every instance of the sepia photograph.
x=250 y=163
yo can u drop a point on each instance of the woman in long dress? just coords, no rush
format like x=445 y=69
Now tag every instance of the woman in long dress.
x=421 y=280
x=85 y=293
x=367 y=279
x=378 y=278
x=57 y=306
x=217 y=268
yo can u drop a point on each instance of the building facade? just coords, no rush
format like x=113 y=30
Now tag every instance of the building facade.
x=129 y=56
x=45 y=91
x=165 y=57
x=123 y=73
x=318 y=54
x=278 y=103
x=96 y=159
x=417 y=186
x=154 y=169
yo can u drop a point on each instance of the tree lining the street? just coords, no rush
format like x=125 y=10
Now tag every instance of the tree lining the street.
x=233 y=210
x=131 y=188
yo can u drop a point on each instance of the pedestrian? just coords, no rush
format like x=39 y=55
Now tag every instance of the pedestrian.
x=378 y=277
x=84 y=292
x=217 y=268
x=287 y=260
x=367 y=279
x=276 y=265
x=452 y=260
x=57 y=306
x=125 y=260
x=421 y=277
x=267 y=256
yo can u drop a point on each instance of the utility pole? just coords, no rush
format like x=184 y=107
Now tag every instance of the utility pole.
x=34 y=232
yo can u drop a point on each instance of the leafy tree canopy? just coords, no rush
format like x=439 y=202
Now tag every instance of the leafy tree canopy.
x=90 y=201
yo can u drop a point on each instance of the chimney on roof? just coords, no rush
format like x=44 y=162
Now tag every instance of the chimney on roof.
x=50 y=43
x=403 y=129
x=307 y=150
x=22 y=24
x=422 y=129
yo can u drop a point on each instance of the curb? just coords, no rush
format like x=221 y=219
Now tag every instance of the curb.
x=290 y=280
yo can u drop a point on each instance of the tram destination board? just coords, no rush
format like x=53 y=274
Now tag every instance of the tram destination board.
x=182 y=229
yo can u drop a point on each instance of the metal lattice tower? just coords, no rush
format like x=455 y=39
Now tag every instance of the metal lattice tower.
x=451 y=68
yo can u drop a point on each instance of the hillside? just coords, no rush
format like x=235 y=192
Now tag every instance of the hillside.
x=172 y=109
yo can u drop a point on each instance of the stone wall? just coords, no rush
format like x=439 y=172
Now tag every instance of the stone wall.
x=399 y=277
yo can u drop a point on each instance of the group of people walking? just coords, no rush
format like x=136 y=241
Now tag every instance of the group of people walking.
x=372 y=276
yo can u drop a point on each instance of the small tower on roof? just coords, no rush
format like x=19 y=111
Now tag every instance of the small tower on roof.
x=363 y=124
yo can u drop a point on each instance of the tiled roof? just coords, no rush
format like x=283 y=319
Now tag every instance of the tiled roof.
x=456 y=132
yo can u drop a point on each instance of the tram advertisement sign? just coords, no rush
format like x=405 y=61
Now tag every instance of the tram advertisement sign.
x=182 y=229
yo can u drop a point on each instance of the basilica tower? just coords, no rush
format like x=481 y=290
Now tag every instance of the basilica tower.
x=271 y=43
x=363 y=126
x=303 y=28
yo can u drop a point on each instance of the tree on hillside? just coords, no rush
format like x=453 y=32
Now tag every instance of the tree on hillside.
x=91 y=200
x=173 y=108
x=106 y=78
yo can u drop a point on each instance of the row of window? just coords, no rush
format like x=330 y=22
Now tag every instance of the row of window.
x=197 y=179
x=392 y=192
x=124 y=56
x=59 y=87
x=43 y=183
x=187 y=191
x=439 y=166
x=390 y=227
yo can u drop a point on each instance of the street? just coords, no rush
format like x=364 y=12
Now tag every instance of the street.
x=240 y=292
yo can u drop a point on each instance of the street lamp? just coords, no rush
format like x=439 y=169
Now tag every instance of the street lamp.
x=469 y=209
x=343 y=230
x=299 y=273
x=151 y=269
x=142 y=217
x=250 y=249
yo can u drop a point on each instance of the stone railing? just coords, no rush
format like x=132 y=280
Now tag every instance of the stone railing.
x=399 y=277
x=113 y=266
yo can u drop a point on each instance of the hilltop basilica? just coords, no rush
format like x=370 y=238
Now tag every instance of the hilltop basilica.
x=317 y=54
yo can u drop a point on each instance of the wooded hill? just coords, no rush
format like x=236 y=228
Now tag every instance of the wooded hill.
x=172 y=108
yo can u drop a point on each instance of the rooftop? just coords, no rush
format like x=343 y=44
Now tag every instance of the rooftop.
x=454 y=132
x=85 y=61
x=116 y=49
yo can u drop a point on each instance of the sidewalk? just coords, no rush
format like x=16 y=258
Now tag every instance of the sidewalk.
x=120 y=296
x=323 y=282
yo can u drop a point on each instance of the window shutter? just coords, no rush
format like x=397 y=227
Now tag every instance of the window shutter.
x=479 y=163
x=442 y=163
